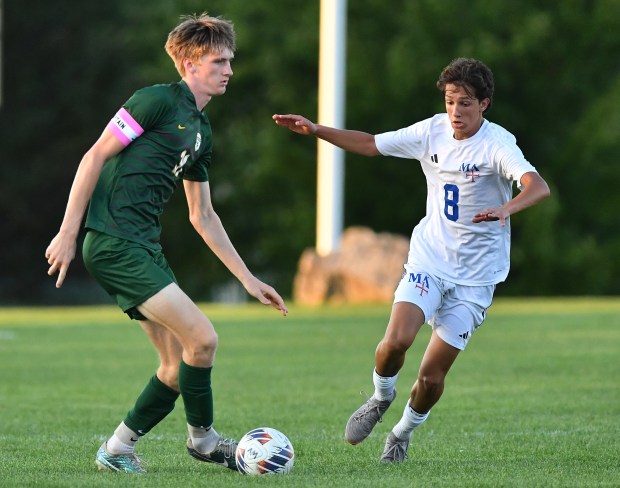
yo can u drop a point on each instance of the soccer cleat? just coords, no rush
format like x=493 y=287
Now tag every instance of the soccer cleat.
x=365 y=418
x=395 y=450
x=126 y=463
x=223 y=454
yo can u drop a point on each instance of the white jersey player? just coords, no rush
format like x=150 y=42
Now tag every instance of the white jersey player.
x=459 y=251
x=463 y=177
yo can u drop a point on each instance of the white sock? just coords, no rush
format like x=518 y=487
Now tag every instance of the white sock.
x=384 y=386
x=409 y=421
x=203 y=440
x=123 y=441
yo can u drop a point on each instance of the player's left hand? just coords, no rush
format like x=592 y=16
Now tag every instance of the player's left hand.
x=266 y=295
x=492 y=215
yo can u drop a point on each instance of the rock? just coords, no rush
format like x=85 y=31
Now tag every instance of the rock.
x=366 y=268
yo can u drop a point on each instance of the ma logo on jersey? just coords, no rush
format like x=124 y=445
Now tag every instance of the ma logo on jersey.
x=470 y=170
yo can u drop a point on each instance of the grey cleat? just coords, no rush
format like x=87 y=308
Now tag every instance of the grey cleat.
x=395 y=450
x=365 y=418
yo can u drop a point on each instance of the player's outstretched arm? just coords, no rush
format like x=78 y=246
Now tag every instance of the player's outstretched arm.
x=208 y=224
x=534 y=190
x=61 y=250
x=349 y=140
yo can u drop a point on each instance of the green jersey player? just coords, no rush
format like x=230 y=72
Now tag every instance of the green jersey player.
x=159 y=138
x=459 y=251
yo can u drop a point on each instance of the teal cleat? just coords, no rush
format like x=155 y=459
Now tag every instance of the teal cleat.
x=126 y=463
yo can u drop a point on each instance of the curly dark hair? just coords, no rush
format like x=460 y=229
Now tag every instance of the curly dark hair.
x=473 y=75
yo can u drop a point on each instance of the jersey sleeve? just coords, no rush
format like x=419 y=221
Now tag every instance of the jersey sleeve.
x=512 y=162
x=199 y=170
x=142 y=111
x=409 y=142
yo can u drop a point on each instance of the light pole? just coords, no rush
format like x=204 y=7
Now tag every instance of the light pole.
x=330 y=176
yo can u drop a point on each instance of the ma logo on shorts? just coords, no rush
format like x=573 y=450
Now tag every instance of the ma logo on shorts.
x=420 y=282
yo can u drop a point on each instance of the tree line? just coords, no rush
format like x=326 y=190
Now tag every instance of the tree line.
x=557 y=74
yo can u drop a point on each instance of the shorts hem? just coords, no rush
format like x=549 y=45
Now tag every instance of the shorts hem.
x=460 y=347
x=404 y=300
x=135 y=303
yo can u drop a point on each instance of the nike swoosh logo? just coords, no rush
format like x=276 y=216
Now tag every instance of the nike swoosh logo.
x=181 y=127
x=205 y=457
x=133 y=440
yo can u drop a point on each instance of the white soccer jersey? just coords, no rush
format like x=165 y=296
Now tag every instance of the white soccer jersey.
x=463 y=178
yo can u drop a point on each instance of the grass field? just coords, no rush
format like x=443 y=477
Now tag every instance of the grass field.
x=533 y=402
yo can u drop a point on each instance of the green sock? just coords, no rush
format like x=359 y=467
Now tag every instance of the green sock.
x=195 y=385
x=154 y=403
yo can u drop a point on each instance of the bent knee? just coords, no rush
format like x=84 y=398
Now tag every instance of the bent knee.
x=395 y=345
x=202 y=348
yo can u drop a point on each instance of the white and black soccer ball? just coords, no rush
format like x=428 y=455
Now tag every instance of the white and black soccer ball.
x=265 y=451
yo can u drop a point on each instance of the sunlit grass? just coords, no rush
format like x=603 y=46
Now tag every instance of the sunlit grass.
x=533 y=401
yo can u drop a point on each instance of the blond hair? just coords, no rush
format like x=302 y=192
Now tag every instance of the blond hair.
x=198 y=35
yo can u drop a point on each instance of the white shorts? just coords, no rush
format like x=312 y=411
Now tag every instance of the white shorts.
x=453 y=311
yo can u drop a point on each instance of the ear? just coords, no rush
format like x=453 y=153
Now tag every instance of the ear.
x=189 y=66
x=484 y=104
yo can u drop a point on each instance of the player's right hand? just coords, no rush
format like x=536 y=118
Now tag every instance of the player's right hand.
x=296 y=123
x=59 y=255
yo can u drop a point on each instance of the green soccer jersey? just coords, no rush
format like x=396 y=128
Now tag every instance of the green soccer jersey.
x=166 y=138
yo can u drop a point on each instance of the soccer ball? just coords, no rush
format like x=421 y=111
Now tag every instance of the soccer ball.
x=264 y=451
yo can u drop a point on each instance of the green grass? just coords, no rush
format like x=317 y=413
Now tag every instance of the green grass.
x=533 y=401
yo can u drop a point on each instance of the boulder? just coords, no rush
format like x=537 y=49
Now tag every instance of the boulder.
x=366 y=268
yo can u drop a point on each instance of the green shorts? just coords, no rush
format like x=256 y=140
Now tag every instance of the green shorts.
x=130 y=272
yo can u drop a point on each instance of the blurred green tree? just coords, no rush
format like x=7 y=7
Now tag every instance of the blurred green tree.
x=557 y=75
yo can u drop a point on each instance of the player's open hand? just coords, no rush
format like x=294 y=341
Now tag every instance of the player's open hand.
x=296 y=123
x=59 y=255
x=492 y=215
x=266 y=295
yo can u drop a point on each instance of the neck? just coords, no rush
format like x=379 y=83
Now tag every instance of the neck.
x=201 y=102
x=200 y=98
